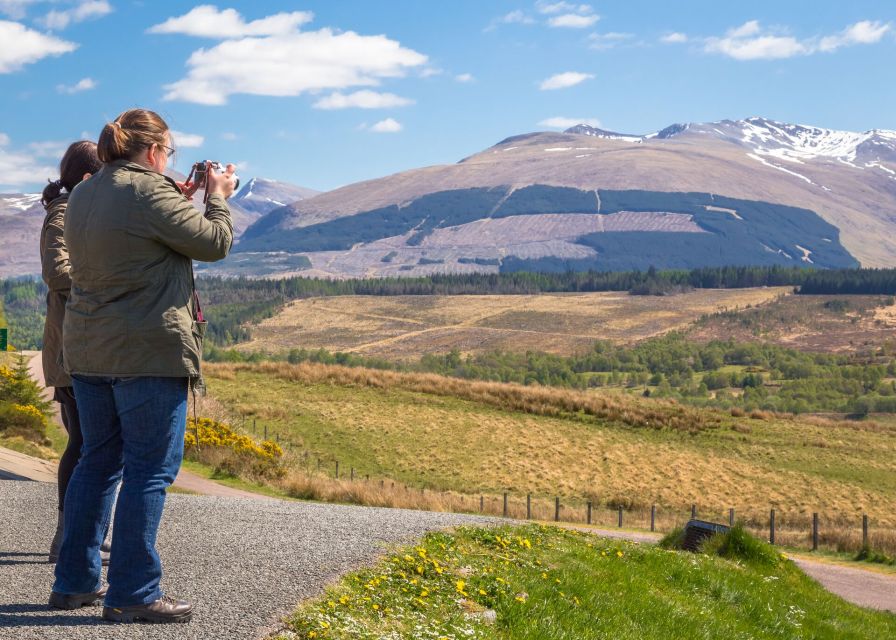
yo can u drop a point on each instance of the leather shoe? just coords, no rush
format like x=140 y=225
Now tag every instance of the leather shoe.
x=165 y=609
x=76 y=600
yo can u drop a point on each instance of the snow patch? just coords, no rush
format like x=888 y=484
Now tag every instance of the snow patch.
x=23 y=202
x=774 y=166
x=806 y=254
x=559 y=149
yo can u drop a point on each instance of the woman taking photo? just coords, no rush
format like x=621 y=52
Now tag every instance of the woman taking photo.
x=78 y=163
x=132 y=343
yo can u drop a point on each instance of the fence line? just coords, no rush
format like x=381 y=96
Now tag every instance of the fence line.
x=799 y=531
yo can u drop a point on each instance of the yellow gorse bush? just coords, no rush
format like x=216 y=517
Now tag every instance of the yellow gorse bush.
x=241 y=452
x=28 y=410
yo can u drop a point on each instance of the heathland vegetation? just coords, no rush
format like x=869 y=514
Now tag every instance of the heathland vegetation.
x=473 y=438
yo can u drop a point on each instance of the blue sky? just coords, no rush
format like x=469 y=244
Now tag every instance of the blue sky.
x=323 y=94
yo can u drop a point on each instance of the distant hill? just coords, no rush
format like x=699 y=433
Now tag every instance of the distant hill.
x=261 y=196
x=748 y=191
x=21 y=217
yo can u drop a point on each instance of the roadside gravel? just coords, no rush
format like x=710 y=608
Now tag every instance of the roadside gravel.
x=244 y=563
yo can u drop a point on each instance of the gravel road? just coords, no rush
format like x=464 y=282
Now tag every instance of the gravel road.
x=243 y=563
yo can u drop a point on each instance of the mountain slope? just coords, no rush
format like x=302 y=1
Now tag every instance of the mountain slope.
x=847 y=180
x=261 y=196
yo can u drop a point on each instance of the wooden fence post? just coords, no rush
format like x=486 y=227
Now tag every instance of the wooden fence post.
x=814 y=532
x=653 y=517
x=693 y=512
x=557 y=509
x=730 y=517
x=864 y=531
x=265 y=432
x=352 y=474
x=620 y=517
x=505 y=504
x=337 y=469
x=528 y=506
x=589 y=512
x=771 y=527
x=481 y=504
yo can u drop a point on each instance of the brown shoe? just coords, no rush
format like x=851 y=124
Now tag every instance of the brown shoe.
x=76 y=600
x=165 y=609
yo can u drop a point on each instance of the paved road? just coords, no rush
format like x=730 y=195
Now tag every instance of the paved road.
x=244 y=563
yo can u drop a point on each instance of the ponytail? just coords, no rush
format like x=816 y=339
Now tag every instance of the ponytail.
x=51 y=191
x=129 y=133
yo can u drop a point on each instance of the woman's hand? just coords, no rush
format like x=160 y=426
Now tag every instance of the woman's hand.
x=222 y=183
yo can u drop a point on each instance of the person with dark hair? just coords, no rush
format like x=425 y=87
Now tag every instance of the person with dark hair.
x=78 y=163
x=132 y=343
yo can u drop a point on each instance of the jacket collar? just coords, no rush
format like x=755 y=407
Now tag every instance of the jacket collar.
x=130 y=165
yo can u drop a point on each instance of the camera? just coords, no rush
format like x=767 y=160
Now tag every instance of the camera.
x=200 y=171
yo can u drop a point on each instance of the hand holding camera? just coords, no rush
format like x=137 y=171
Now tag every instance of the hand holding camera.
x=213 y=177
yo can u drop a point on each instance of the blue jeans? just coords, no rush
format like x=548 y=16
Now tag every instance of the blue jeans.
x=133 y=430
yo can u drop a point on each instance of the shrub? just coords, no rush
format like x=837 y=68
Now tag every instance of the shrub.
x=737 y=544
x=26 y=421
x=673 y=540
x=229 y=452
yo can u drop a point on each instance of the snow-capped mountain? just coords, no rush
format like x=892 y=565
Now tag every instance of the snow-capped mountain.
x=527 y=201
x=799 y=143
x=594 y=132
x=260 y=195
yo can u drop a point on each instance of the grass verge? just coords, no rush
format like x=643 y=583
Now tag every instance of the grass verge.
x=531 y=582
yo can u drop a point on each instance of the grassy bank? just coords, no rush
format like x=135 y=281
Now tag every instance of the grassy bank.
x=542 y=582
x=475 y=438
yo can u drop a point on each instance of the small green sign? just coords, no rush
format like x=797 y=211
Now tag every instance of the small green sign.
x=3 y=338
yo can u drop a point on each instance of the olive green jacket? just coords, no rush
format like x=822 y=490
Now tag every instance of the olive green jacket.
x=131 y=237
x=54 y=269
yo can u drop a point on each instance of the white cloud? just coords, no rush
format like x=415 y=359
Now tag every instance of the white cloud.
x=464 y=77
x=560 y=122
x=864 y=32
x=90 y=9
x=187 y=140
x=574 y=20
x=546 y=6
x=602 y=41
x=429 y=72
x=751 y=42
x=289 y=64
x=388 y=125
x=516 y=17
x=50 y=149
x=564 y=80
x=207 y=21
x=15 y=9
x=20 y=45
x=85 y=84
x=674 y=38
x=19 y=167
x=364 y=99
x=230 y=136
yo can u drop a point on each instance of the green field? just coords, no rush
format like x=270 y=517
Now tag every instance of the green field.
x=540 y=582
x=472 y=437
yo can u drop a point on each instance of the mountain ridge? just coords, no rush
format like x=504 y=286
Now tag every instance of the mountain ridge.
x=847 y=178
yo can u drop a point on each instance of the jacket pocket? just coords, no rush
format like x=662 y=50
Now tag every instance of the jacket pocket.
x=199 y=327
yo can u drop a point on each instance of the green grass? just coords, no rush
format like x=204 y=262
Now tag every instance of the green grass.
x=543 y=582
x=234 y=482
x=448 y=443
